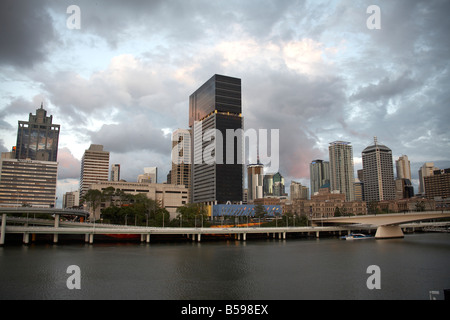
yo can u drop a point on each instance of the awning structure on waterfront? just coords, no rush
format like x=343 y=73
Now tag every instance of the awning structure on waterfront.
x=238 y=210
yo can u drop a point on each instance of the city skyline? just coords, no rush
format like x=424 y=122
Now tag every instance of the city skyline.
x=314 y=71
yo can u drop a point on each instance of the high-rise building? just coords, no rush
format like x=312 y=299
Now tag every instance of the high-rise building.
x=378 y=173
x=278 y=185
x=181 y=158
x=358 y=187
x=403 y=189
x=342 y=174
x=216 y=157
x=426 y=170
x=71 y=199
x=27 y=182
x=29 y=173
x=268 y=184
x=255 y=180
x=94 y=167
x=403 y=168
x=319 y=173
x=273 y=185
x=298 y=191
x=150 y=175
x=437 y=185
x=115 y=172
x=37 y=138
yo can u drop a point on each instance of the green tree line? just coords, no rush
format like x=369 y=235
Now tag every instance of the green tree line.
x=128 y=209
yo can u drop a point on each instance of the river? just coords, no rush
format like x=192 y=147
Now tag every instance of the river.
x=292 y=269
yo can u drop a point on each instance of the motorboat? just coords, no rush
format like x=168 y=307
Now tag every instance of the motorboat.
x=357 y=236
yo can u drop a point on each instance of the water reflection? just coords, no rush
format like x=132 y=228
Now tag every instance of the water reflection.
x=231 y=270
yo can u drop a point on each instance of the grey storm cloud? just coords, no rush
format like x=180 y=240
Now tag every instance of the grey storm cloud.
x=26 y=33
x=311 y=69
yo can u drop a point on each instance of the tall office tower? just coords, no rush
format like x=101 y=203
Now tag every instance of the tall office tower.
x=115 y=172
x=437 y=185
x=255 y=181
x=268 y=184
x=181 y=158
x=273 y=185
x=378 y=169
x=27 y=182
x=403 y=189
x=150 y=175
x=360 y=174
x=426 y=170
x=278 y=185
x=359 y=190
x=94 y=167
x=298 y=191
x=217 y=158
x=342 y=174
x=403 y=168
x=37 y=138
x=319 y=173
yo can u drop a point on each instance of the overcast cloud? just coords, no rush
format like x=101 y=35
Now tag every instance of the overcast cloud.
x=311 y=69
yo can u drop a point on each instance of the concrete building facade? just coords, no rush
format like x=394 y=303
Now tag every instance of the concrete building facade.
x=341 y=168
x=378 y=169
x=94 y=167
x=28 y=183
x=169 y=196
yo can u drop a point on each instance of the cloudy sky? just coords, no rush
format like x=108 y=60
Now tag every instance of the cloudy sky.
x=312 y=69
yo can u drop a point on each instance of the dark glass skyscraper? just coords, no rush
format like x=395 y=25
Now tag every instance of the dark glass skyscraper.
x=216 y=107
x=37 y=138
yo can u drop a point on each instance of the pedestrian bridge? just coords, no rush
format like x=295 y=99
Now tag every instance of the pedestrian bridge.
x=388 y=225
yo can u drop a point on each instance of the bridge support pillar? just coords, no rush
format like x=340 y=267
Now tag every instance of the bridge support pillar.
x=389 y=232
x=244 y=236
x=148 y=238
x=91 y=238
x=55 y=235
x=198 y=237
x=3 y=230
x=317 y=234
x=26 y=235
x=26 y=238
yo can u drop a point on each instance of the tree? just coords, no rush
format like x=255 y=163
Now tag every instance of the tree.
x=372 y=207
x=188 y=213
x=337 y=212
x=260 y=211
x=420 y=205
x=108 y=194
x=93 y=198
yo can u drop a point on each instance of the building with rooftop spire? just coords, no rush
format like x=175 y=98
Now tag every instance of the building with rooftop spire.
x=37 y=138
x=378 y=173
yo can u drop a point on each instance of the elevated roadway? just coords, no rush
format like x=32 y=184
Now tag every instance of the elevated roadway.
x=387 y=224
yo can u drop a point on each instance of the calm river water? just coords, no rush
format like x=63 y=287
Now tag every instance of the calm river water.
x=291 y=269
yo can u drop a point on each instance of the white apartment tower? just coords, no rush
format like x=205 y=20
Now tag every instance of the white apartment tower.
x=115 y=172
x=341 y=169
x=403 y=168
x=255 y=176
x=94 y=167
x=425 y=171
